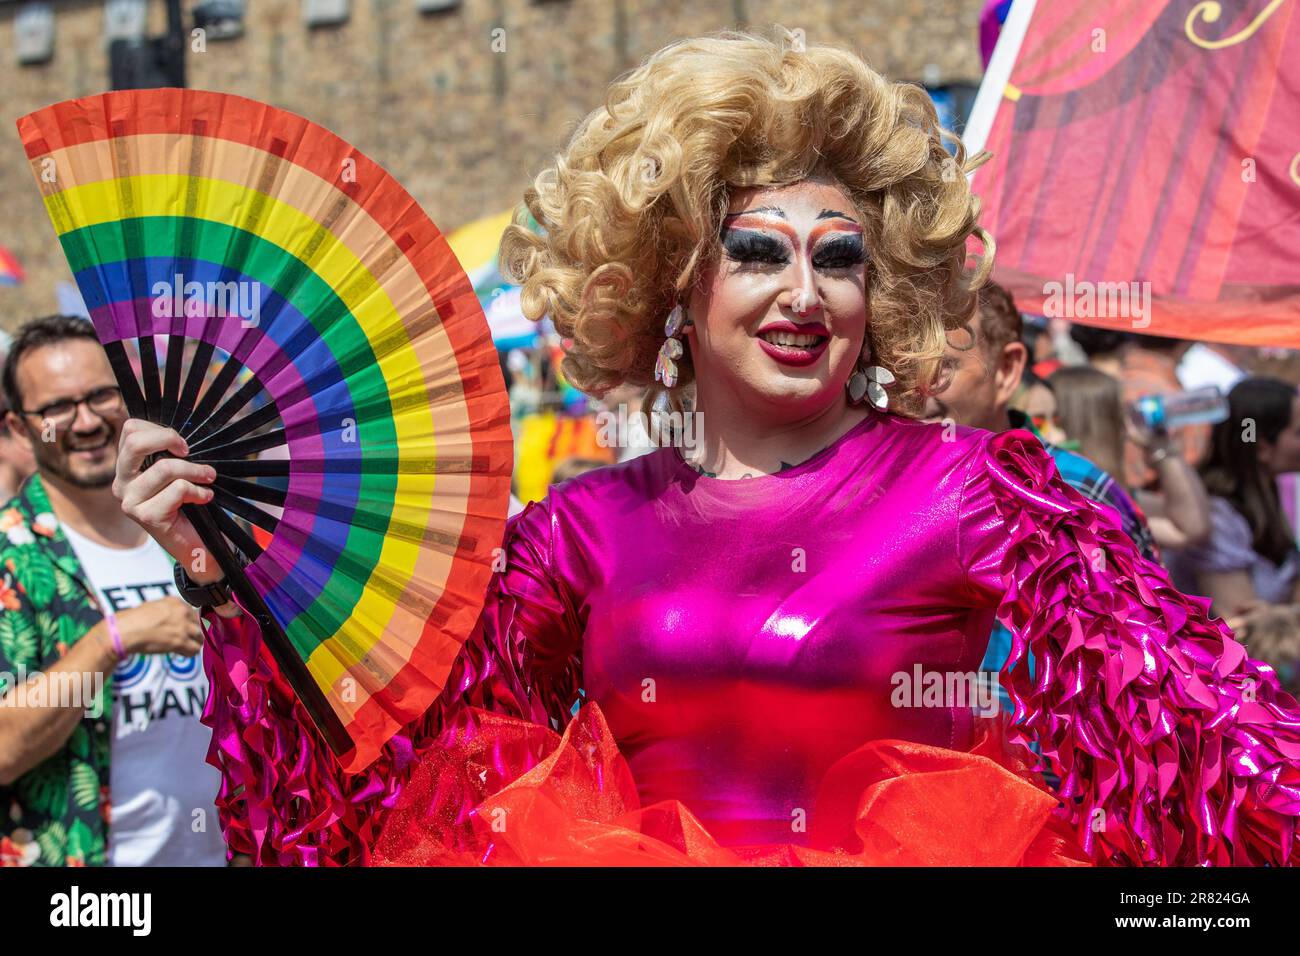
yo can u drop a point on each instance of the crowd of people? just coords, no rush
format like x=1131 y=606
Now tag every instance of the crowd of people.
x=842 y=523
x=1203 y=500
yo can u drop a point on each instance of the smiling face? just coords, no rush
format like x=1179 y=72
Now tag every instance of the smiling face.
x=779 y=317
x=84 y=452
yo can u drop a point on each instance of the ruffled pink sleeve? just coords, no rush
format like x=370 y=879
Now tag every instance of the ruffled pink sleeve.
x=284 y=798
x=1173 y=746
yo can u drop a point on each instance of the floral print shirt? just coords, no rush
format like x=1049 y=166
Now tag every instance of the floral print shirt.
x=56 y=814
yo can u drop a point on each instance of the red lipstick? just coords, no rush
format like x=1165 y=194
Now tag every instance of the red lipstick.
x=794 y=355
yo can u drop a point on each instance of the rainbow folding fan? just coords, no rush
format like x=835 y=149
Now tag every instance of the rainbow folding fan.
x=277 y=298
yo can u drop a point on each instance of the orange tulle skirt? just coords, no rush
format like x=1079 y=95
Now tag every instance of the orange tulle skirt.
x=500 y=791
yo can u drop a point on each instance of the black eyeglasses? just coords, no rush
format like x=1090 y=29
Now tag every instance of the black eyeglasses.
x=102 y=401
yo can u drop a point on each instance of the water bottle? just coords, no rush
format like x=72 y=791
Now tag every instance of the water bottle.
x=1201 y=406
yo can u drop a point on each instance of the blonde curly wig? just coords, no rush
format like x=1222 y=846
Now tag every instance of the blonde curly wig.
x=633 y=206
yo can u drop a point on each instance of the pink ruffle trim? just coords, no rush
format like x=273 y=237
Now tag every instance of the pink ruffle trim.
x=284 y=799
x=1173 y=747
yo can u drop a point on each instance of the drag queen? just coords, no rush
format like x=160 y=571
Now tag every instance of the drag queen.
x=727 y=655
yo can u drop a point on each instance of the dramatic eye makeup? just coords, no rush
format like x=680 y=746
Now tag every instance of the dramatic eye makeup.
x=747 y=237
x=750 y=246
x=843 y=250
x=837 y=241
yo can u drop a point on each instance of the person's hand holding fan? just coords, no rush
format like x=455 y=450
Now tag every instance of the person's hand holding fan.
x=278 y=300
x=155 y=496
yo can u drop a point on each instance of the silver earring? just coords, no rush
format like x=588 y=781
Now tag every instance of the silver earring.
x=857 y=385
x=871 y=383
x=671 y=350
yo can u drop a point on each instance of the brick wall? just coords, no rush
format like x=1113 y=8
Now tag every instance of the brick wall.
x=460 y=126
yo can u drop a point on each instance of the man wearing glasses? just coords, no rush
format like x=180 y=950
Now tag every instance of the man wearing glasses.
x=87 y=599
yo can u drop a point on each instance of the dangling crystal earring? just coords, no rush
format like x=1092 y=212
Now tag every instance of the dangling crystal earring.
x=871 y=383
x=671 y=350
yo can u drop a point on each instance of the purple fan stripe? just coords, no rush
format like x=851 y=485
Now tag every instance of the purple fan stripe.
x=119 y=321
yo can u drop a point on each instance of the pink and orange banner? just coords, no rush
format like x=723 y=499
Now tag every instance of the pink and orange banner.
x=1146 y=165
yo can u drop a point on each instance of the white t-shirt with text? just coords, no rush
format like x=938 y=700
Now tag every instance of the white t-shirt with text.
x=161 y=789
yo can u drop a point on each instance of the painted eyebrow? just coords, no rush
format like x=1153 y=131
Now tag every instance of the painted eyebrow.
x=824 y=214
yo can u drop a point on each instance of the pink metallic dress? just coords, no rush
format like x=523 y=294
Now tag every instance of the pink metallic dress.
x=744 y=653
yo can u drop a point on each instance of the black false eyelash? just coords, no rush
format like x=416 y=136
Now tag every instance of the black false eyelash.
x=754 y=247
x=840 y=253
